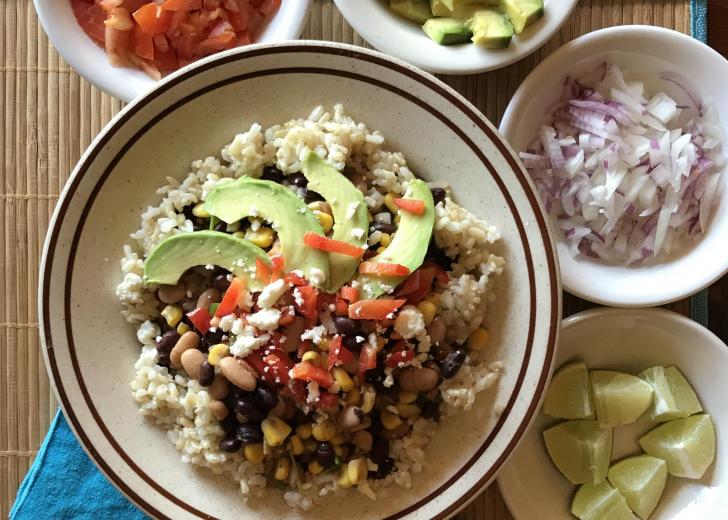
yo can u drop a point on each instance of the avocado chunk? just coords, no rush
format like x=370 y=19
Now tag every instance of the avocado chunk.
x=416 y=10
x=409 y=245
x=447 y=31
x=442 y=7
x=287 y=213
x=349 y=210
x=461 y=9
x=174 y=255
x=491 y=29
x=522 y=13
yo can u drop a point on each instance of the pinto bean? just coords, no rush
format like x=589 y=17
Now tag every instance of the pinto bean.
x=414 y=379
x=192 y=361
x=188 y=340
x=239 y=373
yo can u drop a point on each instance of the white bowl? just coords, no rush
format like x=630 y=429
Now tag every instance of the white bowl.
x=654 y=51
x=90 y=351
x=399 y=37
x=89 y=60
x=630 y=340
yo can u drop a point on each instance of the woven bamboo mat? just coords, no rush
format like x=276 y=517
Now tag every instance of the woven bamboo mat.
x=49 y=115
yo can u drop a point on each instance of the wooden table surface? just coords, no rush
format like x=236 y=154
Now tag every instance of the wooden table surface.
x=49 y=116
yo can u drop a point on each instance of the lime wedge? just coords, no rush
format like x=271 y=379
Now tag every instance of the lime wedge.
x=674 y=397
x=619 y=398
x=687 y=445
x=568 y=396
x=600 y=502
x=641 y=481
x=580 y=450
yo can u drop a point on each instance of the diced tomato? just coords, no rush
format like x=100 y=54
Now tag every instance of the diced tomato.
x=165 y=60
x=269 y=6
x=214 y=44
x=441 y=276
x=277 y=264
x=326 y=400
x=272 y=364
x=230 y=299
x=286 y=318
x=304 y=298
x=341 y=308
x=262 y=271
x=182 y=5
x=142 y=44
x=304 y=347
x=200 y=318
x=414 y=206
x=307 y=371
x=90 y=16
x=325 y=301
x=350 y=294
x=395 y=358
x=330 y=245
x=383 y=269
x=374 y=309
x=294 y=279
x=238 y=19
x=295 y=390
x=419 y=284
x=152 y=19
x=367 y=360
x=338 y=353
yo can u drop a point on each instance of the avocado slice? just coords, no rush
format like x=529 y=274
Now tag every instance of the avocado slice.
x=174 y=255
x=522 y=13
x=417 y=11
x=287 y=213
x=447 y=31
x=462 y=9
x=442 y=7
x=491 y=29
x=350 y=214
x=409 y=245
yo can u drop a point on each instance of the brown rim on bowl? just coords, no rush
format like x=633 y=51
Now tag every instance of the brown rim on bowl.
x=411 y=73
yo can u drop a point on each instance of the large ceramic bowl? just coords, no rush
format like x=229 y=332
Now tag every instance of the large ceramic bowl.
x=89 y=60
x=649 y=52
x=90 y=351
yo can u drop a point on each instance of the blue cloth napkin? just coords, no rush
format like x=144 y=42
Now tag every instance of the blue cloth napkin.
x=64 y=484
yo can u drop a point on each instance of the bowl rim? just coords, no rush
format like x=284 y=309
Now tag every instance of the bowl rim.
x=126 y=91
x=574 y=284
x=551 y=296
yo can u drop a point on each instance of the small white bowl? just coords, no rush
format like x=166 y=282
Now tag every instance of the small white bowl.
x=630 y=340
x=89 y=59
x=394 y=35
x=654 y=50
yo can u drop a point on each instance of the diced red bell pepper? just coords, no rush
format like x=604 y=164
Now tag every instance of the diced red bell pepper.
x=341 y=308
x=411 y=205
x=338 y=353
x=349 y=293
x=294 y=279
x=262 y=271
x=277 y=265
x=306 y=371
x=383 y=269
x=395 y=358
x=367 y=360
x=330 y=245
x=419 y=284
x=230 y=299
x=326 y=400
x=374 y=309
x=200 y=318
x=304 y=299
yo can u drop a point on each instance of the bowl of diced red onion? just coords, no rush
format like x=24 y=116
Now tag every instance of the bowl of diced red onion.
x=623 y=134
x=125 y=46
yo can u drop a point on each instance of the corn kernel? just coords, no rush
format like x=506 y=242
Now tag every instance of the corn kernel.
x=320 y=205
x=199 y=211
x=262 y=238
x=408 y=410
x=428 y=310
x=338 y=451
x=182 y=327
x=385 y=239
x=434 y=298
x=342 y=377
x=232 y=228
x=254 y=453
x=389 y=202
x=343 y=478
x=283 y=469
x=323 y=360
x=381 y=341
x=296 y=444
x=323 y=344
x=381 y=250
x=275 y=431
x=216 y=353
x=172 y=315
x=311 y=356
x=357 y=470
x=389 y=420
x=323 y=431
x=369 y=395
x=239 y=234
x=370 y=217
x=353 y=398
x=478 y=339
x=326 y=221
x=397 y=218
x=337 y=440
x=407 y=397
x=304 y=431
x=314 y=468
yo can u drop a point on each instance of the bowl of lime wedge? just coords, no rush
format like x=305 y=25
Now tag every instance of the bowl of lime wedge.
x=629 y=424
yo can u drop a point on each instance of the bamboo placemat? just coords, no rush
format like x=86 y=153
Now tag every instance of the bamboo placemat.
x=49 y=116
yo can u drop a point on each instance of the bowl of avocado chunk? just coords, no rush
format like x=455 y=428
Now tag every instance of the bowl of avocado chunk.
x=457 y=36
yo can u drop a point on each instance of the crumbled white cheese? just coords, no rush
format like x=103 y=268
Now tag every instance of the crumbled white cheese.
x=351 y=210
x=245 y=300
x=360 y=339
x=409 y=322
x=313 y=392
x=271 y=293
x=357 y=233
x=389 y=380
x=315 y=334
x=266 y=319
x=297 y=297
x=226 y=322
x=245 y=344
x=317 y=276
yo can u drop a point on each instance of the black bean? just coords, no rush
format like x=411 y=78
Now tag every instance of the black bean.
x=375 y=375
x=249 y=434
x=379 y=451
x=324 y=454
x=384 y=469
x=345 y=326
x=163 y=359
x=210 y=339
x=271 y=173
x=167 y=341
x=430 y=410
x=384 y=227
x=452 y=363
x=221 y=282
x=310 y=196
x=221 y=226
x=436 y=255
x=297 y=179
x=266 y=396
x=246 y=405
x=304 y=458
x=351 y=343
x=230 y=445
x=438 y=195
x=229 y=424
x=207 y=374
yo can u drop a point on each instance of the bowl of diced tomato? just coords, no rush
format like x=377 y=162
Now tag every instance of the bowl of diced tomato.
x=125 y=46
